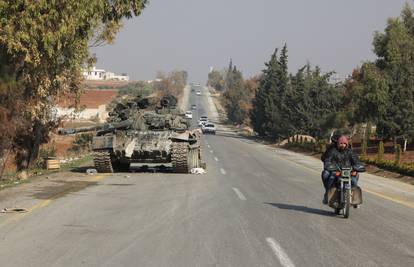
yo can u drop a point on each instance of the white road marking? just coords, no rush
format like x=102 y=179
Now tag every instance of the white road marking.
x=216 y=159
x=284 y=259
x=208 y=145
x=239 y=194
x=223 y=171
x=211 y=151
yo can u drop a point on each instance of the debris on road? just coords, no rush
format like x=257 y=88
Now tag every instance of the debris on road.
x=22 y=175
x=127 y=176
x=91 y=171
x=13 y=210
x=198 y=171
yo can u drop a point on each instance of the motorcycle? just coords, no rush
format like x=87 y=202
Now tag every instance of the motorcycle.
x=342 y=194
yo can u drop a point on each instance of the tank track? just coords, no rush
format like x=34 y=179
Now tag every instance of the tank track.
x=179 y=157
x=102 y=161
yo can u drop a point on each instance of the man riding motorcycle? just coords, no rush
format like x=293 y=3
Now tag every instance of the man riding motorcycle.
x=341 y=156
x=325 y=173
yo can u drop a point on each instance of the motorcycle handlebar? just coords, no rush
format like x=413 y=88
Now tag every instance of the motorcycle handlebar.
x=357 y=168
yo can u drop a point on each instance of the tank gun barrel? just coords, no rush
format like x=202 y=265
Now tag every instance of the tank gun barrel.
x=66 y=131
x=101 y=128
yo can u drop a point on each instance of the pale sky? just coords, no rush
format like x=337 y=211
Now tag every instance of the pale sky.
x=196 y=34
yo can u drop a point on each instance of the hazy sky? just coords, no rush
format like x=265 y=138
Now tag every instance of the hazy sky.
x=196 y=34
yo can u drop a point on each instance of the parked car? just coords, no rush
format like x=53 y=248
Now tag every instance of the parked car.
x=198 y=92
x=193 y=107
x=208 y=128
x=189 y=114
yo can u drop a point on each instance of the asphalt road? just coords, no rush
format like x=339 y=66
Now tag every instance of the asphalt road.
x=255 y=206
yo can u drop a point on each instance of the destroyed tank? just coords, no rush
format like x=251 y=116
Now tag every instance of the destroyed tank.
x=136 y=134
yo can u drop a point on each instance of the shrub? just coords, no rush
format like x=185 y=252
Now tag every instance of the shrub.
x=82 y=142
x=380 y=155
x=364 y=146
x=398 y=154
x=404 y=169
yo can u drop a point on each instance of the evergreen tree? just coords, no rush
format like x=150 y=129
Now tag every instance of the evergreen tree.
x=314 y=101
x=395 y=50
x=216 y=80
x=263 y=101
x=369 y=94
x=235 y=95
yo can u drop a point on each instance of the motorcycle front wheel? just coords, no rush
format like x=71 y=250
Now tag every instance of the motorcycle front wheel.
x=337 y=211
x=347 y=197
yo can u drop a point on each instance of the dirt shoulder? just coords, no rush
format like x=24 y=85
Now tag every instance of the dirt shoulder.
x=28 y=193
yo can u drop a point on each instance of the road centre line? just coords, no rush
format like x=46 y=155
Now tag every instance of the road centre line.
x=216 y=159
x=239 y=194
x=283 y=258
x=222 y=171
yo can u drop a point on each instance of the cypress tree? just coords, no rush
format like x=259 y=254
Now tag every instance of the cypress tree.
x=234 y=95
x=263 y=101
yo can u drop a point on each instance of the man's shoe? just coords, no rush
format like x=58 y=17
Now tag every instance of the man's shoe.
x=356 y=206
x=325 y=199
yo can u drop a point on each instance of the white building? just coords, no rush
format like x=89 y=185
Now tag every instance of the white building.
x=95 y=74
x=112 y=76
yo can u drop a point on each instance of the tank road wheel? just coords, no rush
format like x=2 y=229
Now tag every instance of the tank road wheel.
x=102 y=160
x=193 y=158
x=179 y=157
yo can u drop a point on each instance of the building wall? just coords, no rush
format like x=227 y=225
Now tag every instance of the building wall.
x=85 y=114
x=100 y=74
x=94 y=74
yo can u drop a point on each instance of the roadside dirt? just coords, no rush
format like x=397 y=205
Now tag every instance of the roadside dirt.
x=47 y=187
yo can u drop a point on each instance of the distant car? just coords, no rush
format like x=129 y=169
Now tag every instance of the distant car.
x=198 y=92
x=208 y=128
x=193 y=107
x=189 y=114
x=203 y=120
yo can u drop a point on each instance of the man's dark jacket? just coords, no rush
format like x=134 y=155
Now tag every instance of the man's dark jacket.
x=342 y=158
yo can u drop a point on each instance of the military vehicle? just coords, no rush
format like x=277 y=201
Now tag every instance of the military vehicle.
x=136 y=134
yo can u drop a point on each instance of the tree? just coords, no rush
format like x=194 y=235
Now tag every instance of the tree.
x=312 y=102
x=251 y=86
x=235 y=96
x=368 y=96
x=140 y=88
x=48 y=44
x=171 y=84
x=395 y=50
x=216 y=80
x=11 y=119
x=269 y=106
